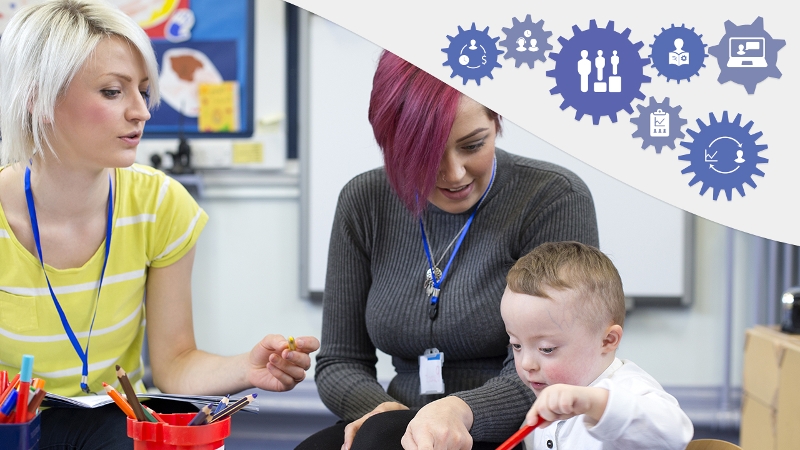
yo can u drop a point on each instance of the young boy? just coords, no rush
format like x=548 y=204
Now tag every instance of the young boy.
x=564 y=308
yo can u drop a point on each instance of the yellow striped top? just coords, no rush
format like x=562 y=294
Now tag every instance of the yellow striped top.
x=156 y=222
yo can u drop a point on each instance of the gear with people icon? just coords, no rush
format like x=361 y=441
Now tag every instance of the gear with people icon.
x=747 y=54
x=472 y=54
x=526 y=41
x=599 y=72
x=647 y=124
x=678 y=53
x=723 y=155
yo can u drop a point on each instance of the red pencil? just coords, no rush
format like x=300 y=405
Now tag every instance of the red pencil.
x=10 y=388
x=3 y=380
x=517 y=437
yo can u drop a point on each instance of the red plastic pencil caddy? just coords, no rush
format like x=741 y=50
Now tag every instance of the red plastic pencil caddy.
x=21 y=436
x=175 y=435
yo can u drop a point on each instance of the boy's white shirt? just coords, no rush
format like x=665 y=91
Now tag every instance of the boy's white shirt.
x=639 y=414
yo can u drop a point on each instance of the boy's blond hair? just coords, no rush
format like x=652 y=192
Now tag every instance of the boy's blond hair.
x=587 y=271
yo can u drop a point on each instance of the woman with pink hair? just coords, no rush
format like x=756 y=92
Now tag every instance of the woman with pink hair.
x=417 y=263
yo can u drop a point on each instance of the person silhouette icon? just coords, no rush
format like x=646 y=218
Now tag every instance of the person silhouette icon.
x=600 y=63
x=614 y=62
x=741 y=50
x=472 y=45
x=584 y=69
x=678 y=43
x=533 y=47
x=678 y=57
x=521 y=44
x=739 y=154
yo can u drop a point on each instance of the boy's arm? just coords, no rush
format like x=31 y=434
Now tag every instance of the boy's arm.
x=562 y=401
x=640 y=414
x=633 y=416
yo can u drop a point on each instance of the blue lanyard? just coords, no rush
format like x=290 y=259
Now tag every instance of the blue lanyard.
x=433 y=308
x=83 y=354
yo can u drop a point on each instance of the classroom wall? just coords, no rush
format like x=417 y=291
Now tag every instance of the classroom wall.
x=246 y=278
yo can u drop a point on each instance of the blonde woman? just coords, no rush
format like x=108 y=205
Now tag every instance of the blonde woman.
x=85 y=232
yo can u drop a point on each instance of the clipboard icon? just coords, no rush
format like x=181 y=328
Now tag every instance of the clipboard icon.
x=659 y=123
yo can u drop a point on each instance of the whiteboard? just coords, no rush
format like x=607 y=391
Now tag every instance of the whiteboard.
x=648 y=240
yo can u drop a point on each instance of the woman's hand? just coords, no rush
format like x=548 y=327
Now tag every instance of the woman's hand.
x=273 y=367
x=440 y=425
x=351 y=429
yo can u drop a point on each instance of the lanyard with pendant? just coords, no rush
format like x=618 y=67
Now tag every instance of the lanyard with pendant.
x=433 y=308
x=83 y=354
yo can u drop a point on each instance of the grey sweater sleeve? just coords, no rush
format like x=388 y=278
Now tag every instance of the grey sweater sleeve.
x=345 y=371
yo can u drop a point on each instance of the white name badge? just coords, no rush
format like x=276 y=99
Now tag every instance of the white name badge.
x=430 y=372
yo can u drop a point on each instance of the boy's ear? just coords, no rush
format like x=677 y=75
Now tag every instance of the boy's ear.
x=612 y=338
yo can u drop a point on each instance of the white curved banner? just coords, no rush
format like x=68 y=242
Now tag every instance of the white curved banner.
x=680 y=100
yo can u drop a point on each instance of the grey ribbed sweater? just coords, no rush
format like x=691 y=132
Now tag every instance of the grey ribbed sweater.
x=374 y=294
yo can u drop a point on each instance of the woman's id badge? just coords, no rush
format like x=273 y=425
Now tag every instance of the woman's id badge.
x=430 y=372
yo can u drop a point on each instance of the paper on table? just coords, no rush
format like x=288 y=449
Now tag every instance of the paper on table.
x=96 y=401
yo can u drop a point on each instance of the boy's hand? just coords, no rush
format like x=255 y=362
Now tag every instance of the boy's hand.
x=562 y=401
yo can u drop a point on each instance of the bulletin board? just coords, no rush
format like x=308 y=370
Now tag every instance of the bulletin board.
x=197 y=43
x=213 y=45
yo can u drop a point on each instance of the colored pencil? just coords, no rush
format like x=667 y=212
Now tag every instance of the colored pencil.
x=3 y=380
x=11 y=387
x=36 y=400
x=517 y=437
x=38 y=383
x=200 y=418
x=154 y=414
x=234 y=407
x=222 y=404
x=25 y=376
x=150 y=417
x=123 y=405
x=8 y=406
x=130 y=394
x=292 y=345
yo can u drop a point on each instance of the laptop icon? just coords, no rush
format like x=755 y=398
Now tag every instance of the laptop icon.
x=746 y=52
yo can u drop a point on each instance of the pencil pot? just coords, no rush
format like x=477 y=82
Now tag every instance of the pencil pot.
x=175 y=435
x=21 y=436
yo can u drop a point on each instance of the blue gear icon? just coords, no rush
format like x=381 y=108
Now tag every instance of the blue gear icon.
x=666 y=126
x=723 y=155
x=602 y=91
x=472 y=54
x=678 y=53
x=747 y=55
x=526 y=41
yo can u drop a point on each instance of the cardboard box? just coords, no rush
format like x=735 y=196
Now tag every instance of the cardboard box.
x=764 y=350
x=771 y=385
x=788 y=408
x=759 y=425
